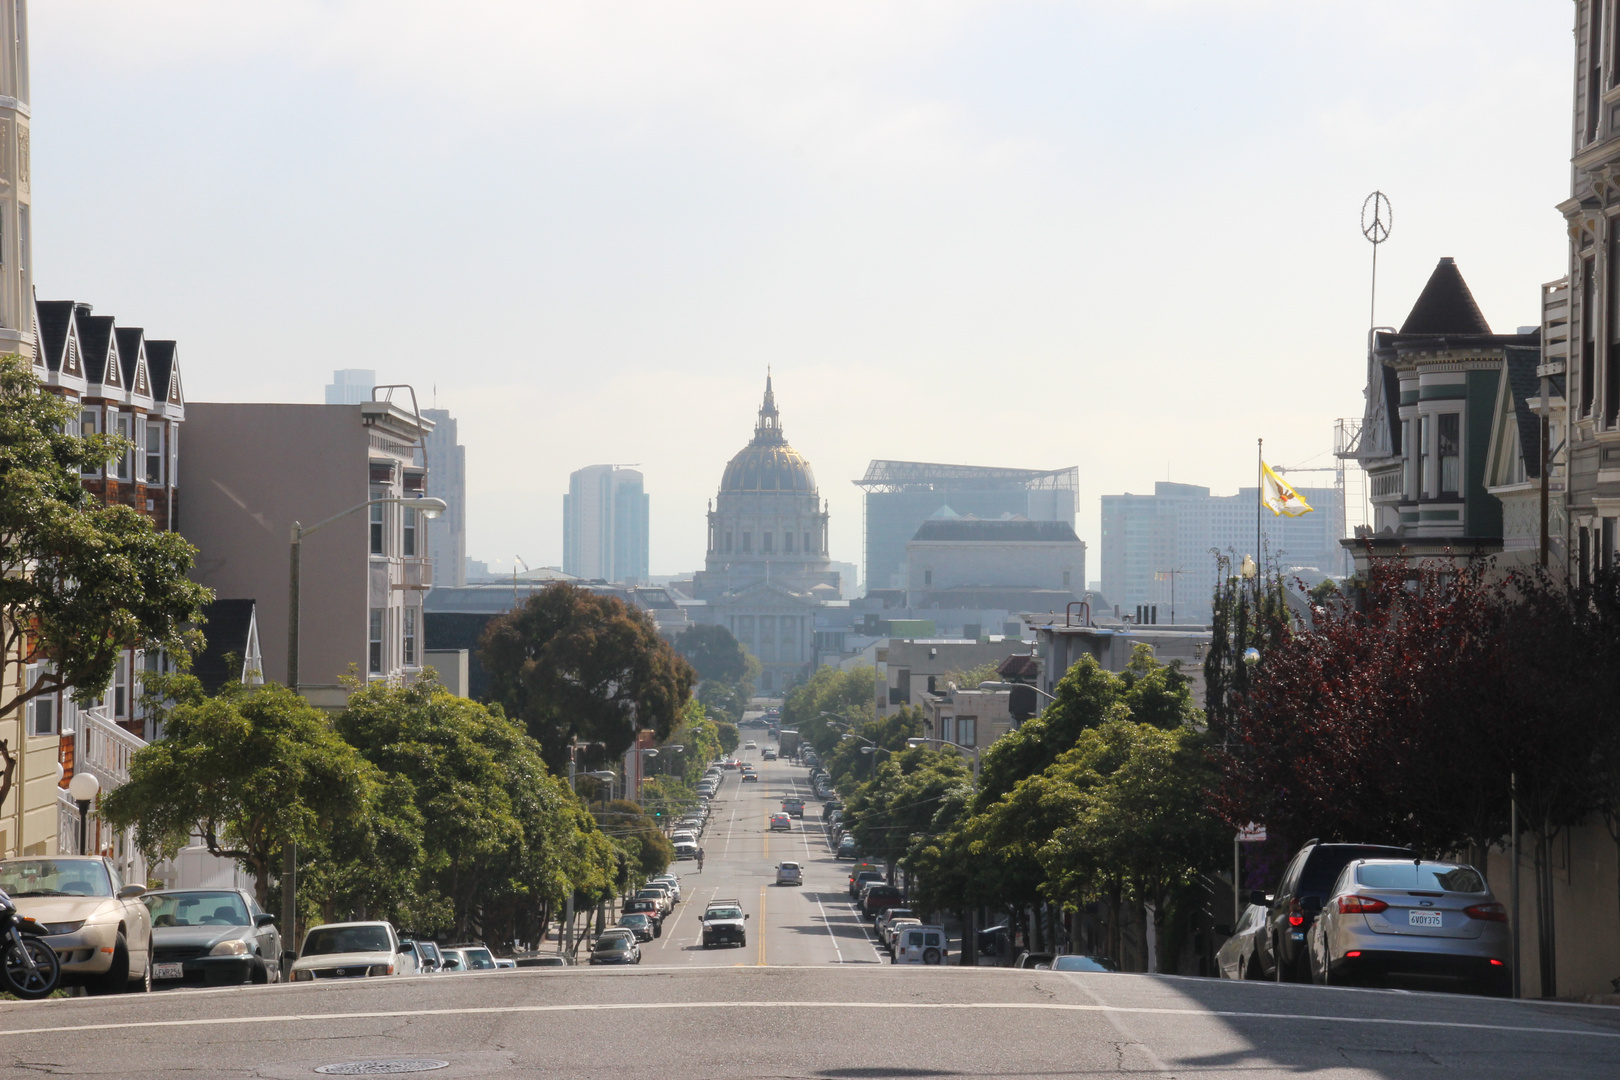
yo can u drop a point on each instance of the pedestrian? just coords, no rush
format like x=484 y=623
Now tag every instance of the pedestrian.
x=700 y=860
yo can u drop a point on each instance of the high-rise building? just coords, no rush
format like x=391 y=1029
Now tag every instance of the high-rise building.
x=1161 y=549
x=901 y=495
x=350 y=386
x=447 y=480
x=605 y=519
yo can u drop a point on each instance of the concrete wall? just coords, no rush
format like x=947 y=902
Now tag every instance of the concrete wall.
x=250 y=471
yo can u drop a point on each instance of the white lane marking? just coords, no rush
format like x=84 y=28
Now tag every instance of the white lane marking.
x=825 y=921
x=1029 y=1006
x=730 y=825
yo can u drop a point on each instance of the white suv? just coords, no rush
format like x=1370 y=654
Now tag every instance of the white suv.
x=789 y=873
x=921 y=945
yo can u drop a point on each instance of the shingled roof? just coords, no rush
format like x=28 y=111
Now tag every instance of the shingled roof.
x=1445 y=306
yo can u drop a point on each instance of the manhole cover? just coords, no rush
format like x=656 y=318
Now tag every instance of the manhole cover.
x=382 y=1067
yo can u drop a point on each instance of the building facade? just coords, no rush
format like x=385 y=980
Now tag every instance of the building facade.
x=605 y=525
x=447 y=480
x=350 y=386
x=901 y=495
x=966 y=563
x=16 y=192
x=254 y=470
x=1160 y=549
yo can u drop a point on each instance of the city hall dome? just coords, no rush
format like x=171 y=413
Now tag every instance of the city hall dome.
x=768 y=463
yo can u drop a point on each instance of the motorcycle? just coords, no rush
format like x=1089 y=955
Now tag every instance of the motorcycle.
x=28 y=966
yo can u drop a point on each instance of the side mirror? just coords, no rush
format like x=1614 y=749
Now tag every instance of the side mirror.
x=405 y=947
x=264 y=919
x=130 y=892
x=1311 y=903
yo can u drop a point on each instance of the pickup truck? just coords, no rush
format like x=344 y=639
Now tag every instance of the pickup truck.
x=724 y=923
x=793 y=807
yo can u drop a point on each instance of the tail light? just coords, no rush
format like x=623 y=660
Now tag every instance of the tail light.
x=1487 y=912
x=1352 y=954
x=1497 y=963
x=1361 y=905
x=1296 y=916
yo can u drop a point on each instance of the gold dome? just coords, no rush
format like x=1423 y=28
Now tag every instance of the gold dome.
x=768 y=463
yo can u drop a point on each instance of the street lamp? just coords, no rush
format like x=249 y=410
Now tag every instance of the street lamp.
x=84 y=787
x=430 y=508
x=1010 y=685
x=974 y=750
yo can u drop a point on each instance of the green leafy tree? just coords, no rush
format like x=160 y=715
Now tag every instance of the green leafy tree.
x=572 y=664
x=79 y=582
x=730 y=737
x=648 y=851
x=828 y=691
x=249 y=769
x=714 y=654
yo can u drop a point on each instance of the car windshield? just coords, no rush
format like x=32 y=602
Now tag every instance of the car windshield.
x=327 y=940
x=612 y=944
x=1082 y=963
x=790 y=866
x=724 y=913
x=1435 y=877
x=197 y=909
x=55 y=877
x=479 y=959
x=633 y=919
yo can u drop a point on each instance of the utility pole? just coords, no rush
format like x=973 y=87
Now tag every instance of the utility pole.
x=1171 y=574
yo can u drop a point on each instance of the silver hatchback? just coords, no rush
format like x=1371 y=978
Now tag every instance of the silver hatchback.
x=1412 y=920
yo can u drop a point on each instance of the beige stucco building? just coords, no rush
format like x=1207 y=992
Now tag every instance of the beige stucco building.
x=253 y=470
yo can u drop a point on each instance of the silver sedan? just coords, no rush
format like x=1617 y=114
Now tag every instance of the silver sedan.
x=1435 y=923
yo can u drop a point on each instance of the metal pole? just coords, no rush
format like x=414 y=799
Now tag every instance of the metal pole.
x=289 y=850
x=567 y=941
x=1236 y=864
x=1545 y=479
x=84 y=823
x=1513 y=803
x=1259 y=504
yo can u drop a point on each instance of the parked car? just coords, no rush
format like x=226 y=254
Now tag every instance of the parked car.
x=789 y=873
x=658 y=896
x=638 y=923
x=895 y=927
x=686 y=849
x=1239 y=956
x=429 y=951
x=101 y=931
x=476 y=957
x=672 y=881
x=1034 y=960
x=1305 y=884
x=650 y=909
x=878 y=897
x=424 y=964
x=212 y=937
x=858 y=880
x=922 y=945
x=615 y=949
x=724 y=923
x=780 y=822
x=503 y=963
x=994 y=940
x=1076 y=962
x=885 y=919
x=352 y=950
x=543 y=960
x=846 y=847
x=1434 y=922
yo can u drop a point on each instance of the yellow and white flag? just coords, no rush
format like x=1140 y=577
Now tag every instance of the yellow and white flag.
x=1278 y=497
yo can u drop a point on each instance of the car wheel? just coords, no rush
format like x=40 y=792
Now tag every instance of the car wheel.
x=259 y=974
x=1251 y=970
x=146 y=980
x=116 y=978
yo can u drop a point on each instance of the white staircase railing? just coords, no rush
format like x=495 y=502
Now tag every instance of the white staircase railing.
x=104 y=748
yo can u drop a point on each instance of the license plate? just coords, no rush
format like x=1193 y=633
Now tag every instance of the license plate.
x=168 y=971
x=1424 y=918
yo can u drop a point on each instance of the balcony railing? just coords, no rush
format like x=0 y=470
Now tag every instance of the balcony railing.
x=104 y=748
x=415 y=575
x=67 y=823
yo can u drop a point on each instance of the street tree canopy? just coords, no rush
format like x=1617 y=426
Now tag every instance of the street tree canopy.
x=249 y=769
x=79 y=582
x=570 y=663
x=714 y=654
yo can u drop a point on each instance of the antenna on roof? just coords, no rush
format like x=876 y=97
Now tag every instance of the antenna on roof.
x=1376 y=218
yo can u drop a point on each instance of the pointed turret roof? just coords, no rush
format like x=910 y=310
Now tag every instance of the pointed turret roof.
x=1445 y=306
x=769 y=427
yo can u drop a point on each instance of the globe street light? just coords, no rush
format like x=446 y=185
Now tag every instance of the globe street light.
x=83 y=788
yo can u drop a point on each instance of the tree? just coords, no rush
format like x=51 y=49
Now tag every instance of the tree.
x=571 y=664
x=648 y=851
x=79 y=582
x=714 y=654
x=848 y=695
x=250 y=769
x=730 y=737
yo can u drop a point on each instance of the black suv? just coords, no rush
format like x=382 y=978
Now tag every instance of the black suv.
x=1305 y=884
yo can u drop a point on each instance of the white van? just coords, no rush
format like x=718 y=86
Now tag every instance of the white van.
x=921 y=945
x=685 y=849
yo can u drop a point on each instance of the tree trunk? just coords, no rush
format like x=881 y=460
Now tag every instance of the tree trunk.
x=1139 y=909
x=1546 y=937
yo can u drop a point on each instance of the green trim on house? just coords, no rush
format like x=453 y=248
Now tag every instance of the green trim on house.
x=1409 y=397
x=1447 y=391
x=1412 y=518
x=1482 y=511
x=1436 y=515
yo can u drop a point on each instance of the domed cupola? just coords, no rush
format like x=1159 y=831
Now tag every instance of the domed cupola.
x=768 y=463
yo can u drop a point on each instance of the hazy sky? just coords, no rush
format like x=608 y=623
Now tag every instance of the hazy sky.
x=1121 y=235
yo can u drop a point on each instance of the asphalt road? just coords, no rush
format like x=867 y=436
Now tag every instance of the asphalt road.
x=805 y=999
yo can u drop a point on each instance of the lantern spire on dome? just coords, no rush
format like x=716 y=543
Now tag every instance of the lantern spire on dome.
x=769 y=427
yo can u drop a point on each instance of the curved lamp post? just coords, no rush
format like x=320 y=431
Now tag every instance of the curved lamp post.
x=430 y=508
